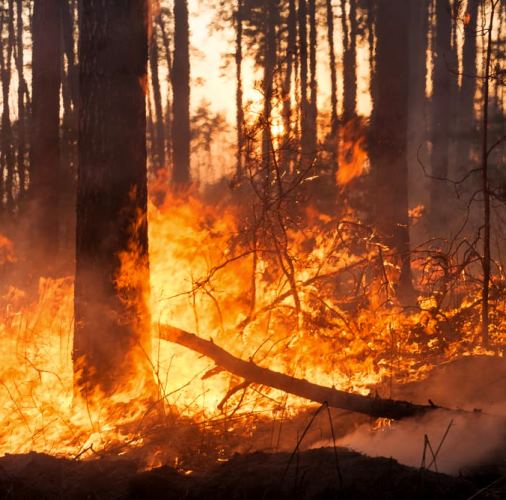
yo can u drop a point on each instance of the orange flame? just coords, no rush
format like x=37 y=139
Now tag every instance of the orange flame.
x=353 y=160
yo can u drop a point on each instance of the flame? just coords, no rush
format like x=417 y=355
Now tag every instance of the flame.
x=353 y=160
x=344 y=328
x=6 y=251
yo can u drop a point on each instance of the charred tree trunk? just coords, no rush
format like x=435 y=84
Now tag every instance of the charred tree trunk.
x=269 y=62
x=305 y=129
x=159 y=128
x=181 y=134
x=22 y=91
x=168 y=107
x=485 y=187
x=313 y=86
x=467 y=121
x=417 y=126
x=389 y=123
x=350 y=59
x=441 y=116
x=291 y=54
x=239 y=116
x=112 y=324
x=68 y=143
x=45 y=141
x=334 y=121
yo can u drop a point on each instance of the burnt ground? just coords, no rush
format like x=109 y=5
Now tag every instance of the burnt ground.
x=312 y=474
x=229 y=466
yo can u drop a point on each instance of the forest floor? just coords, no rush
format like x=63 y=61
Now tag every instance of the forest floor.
x=312 y=474
x=230 y=466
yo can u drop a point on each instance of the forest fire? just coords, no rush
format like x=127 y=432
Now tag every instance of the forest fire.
x=201 y=281
x=295 y=293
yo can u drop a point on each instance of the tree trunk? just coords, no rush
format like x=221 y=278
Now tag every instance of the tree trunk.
x=268 y=82
x=313 y=86
x=68 y=149
x=467 y=121
x=168 y=107
x=239 y=117
x=45 y=141
x=389 y=123
x=350 y=60
x=417 y=125
x=441 y=117
x=334 y=121
x=20 y=64
x=305 y=129
x=181 y=89
x=112 y=324
x=291 y=54
x=159 y=137
x=486 y=259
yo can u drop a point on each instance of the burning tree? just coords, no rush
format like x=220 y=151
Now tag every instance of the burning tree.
x=112 y=322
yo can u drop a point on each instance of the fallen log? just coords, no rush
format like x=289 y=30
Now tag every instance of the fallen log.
x=252 y=373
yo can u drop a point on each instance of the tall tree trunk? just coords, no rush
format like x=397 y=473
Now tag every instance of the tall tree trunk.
x=112 y=324
x=305 y=130
x=313 y=86
x=389 y=133
x=334 y=121
x=168 y=107
x=268 y=82
x=417 y=125
x=486 y=259
x=291 y=54
x=159 y=137
x=239 y=117
x=467 y=121
x=45 y=141
x=20 y=65
x=441 y=116
x=68 y=149
x=181 y=89
x=350 y=59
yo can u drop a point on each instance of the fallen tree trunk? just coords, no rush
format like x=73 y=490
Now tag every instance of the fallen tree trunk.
x=372 y=406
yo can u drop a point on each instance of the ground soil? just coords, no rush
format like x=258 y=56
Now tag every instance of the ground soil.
x=313 y=474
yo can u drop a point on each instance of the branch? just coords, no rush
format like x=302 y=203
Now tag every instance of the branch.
x=252 y=373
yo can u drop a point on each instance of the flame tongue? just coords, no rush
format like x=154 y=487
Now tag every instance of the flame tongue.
x=307 y=322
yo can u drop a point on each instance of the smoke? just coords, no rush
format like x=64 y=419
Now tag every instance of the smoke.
x=458 y=439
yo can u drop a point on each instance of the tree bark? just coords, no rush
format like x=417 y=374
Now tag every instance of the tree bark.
x=313 y=86
x=467 y=120
x=22 y=90
x=417 y=120
x=270 y=15
x=291 y=54
x=389 y=124
x=372 y=406
x=45 y=141
x=112 y=325
x=239 y=116
x=441 y=115
x=486 y=259
x=305 y=129
x=334 y=121
x=181 y=134
x=168 y=107
x=350 y=60
x=159 y=127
